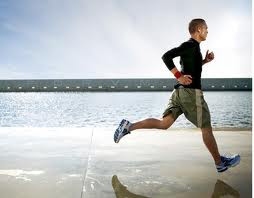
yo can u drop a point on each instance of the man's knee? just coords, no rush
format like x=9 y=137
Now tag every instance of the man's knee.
x=207 y=130
x=167 y=122
x=164 y=126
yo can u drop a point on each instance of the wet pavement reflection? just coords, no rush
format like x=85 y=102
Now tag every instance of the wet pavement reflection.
x=221 y=189
x=121 y=190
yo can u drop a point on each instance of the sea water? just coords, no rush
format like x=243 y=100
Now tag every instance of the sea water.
x=106 y=109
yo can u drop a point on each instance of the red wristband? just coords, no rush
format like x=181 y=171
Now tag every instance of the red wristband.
x=178 y=74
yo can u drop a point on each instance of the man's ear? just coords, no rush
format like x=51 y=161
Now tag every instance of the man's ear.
x=199 y=29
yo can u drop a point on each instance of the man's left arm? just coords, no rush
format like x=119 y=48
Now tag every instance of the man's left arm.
x=208 y=57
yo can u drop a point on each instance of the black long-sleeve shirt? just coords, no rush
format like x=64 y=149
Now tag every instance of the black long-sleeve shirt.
x=190 y=61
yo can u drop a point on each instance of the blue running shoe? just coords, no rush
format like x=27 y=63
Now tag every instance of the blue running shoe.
x=122 y=130
x=227 y=162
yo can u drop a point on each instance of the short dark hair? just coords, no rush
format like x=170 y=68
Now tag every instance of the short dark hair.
x=194 y=24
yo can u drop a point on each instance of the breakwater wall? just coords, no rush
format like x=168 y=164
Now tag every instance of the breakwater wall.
x=85 y=85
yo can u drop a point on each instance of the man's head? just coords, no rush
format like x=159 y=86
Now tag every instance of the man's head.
x=198 y=29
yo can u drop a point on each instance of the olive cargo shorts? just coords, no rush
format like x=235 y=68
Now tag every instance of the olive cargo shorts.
x=190 y=102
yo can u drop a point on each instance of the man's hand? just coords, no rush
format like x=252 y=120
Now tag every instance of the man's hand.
x=208 y=57
x=185 y=79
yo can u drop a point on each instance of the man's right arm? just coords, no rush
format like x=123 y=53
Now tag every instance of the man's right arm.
x=168 y=60
x=169 y=55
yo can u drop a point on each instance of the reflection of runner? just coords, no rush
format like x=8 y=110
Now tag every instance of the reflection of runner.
x=121 y=191
x=221 y=189
x=187 y=97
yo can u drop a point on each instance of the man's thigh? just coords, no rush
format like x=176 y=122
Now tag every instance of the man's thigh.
x=173 y=108
x=195 y=107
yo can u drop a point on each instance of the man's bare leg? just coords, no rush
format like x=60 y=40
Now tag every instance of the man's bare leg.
x=152 y=123
x=210 y=142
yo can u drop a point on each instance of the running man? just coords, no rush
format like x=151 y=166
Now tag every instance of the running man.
x=187 y=96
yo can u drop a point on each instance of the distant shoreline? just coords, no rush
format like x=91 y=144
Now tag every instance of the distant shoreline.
x=119 y=85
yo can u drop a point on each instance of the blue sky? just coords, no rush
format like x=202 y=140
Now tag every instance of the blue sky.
x=118 y=39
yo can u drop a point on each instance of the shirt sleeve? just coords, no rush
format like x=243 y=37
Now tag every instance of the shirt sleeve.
x=169 y=55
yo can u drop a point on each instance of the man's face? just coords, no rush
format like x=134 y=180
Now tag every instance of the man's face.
x=203 y=31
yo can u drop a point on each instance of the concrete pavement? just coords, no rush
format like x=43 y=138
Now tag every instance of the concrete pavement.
x=85 y=162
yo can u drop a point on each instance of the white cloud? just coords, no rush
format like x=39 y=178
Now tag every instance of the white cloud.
x=120 y=39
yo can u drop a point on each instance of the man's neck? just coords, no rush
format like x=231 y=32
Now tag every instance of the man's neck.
x=196 y=38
